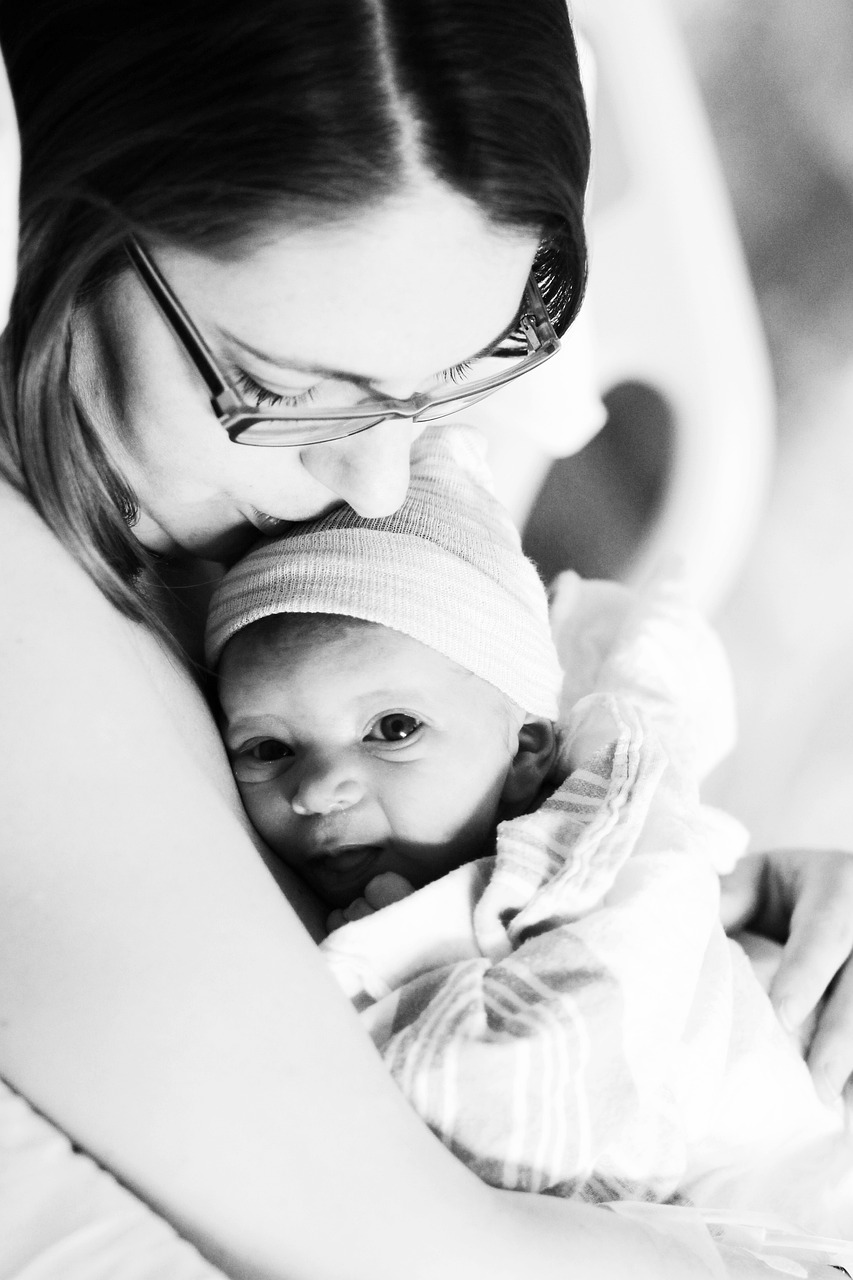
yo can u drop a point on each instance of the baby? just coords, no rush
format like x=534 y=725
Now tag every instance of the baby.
x=389 y=687
x=559 y=1003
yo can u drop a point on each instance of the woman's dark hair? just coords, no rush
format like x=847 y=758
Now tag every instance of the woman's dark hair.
x=203 y=122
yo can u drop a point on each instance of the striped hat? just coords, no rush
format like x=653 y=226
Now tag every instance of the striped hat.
x=446 y=569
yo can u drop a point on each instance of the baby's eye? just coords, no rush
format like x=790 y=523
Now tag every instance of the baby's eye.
x=269 y=749
x=395 y=727
x=260 y=760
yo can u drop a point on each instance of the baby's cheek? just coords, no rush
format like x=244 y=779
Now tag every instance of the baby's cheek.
x=269 y=814
x=423 y=809
x=442 y=810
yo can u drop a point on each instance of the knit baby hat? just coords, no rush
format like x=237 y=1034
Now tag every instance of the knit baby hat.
x=446 y=569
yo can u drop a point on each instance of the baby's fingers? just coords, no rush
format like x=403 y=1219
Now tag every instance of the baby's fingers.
x=335 y=920
x=356 y=910
x=386 y=888
x=379 y=892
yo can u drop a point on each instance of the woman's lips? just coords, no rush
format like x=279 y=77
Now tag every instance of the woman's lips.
x=264 y=523
x=271 y=525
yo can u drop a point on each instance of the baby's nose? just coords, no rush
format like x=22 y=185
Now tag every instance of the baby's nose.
x=326 y=788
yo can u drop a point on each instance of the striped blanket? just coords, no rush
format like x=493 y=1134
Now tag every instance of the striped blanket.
x=568 y=1015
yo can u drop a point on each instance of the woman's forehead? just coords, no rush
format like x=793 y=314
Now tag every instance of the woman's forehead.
x=420 y=282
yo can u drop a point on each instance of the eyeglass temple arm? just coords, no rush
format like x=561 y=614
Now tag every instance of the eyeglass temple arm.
x=223 y=396
x=529 y=323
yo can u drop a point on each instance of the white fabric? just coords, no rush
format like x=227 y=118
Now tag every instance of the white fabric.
x=569 y=1016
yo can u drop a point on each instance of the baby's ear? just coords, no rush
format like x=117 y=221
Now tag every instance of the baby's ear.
x=537 y=746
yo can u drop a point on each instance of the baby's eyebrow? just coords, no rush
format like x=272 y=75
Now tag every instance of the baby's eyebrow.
x=326 y=371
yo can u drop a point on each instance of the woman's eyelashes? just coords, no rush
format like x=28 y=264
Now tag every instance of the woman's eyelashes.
x=459 y=372
x=263 y=395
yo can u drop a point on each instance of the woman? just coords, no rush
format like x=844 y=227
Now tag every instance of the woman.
x=347 y=201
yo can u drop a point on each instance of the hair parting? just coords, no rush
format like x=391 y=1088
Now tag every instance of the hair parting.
x=207 y=125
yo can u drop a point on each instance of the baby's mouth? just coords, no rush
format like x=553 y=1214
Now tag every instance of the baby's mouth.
x=340 y=874
x=347 y=860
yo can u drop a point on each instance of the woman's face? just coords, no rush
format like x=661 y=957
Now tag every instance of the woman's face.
x=392 y=297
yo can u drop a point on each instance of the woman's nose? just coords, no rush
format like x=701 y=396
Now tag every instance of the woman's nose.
x=370 y=471
x=325 y=787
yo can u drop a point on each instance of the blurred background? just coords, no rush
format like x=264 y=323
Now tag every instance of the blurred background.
x=776 y=80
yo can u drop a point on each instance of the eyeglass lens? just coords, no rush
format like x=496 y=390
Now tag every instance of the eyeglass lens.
x=295 y=430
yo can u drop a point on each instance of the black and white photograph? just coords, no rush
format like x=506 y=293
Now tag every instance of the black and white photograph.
x=426 y=639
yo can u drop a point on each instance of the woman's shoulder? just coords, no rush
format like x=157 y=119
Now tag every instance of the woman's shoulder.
x=56 y=624
x=19 y=522
x=57 y=630
x=37 y=575
x=54 y=620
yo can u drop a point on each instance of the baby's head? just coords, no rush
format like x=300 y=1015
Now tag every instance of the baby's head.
x=359 y=750
x=388 y=687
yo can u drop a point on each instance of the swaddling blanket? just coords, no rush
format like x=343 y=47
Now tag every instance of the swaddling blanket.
x=568 y=1015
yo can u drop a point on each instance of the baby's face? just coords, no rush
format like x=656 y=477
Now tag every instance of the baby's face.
x=358 y=750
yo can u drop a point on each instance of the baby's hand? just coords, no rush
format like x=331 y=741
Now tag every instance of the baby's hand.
x=379 y=892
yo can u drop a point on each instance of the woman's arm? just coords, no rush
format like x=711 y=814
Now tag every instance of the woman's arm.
x=159 y=1001
x=804 y=898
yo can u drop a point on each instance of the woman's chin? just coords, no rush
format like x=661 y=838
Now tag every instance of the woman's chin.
x=223 y=539
x=224 y=547
x=220 y=545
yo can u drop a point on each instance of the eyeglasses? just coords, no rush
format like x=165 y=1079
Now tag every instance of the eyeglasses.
x=349 y=411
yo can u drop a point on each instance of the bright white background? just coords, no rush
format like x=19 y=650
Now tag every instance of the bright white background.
x=777 y=76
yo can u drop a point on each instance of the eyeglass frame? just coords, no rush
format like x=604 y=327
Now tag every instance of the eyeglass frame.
x=238 y=418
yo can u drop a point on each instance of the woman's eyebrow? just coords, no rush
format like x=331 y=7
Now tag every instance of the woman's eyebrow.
x=299 y=366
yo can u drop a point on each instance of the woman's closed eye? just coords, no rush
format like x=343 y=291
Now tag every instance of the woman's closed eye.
x=260 y=395
x=481 y=367
x=458 y=373
x=394 y=726
x=343 y=395
x=264 y=396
